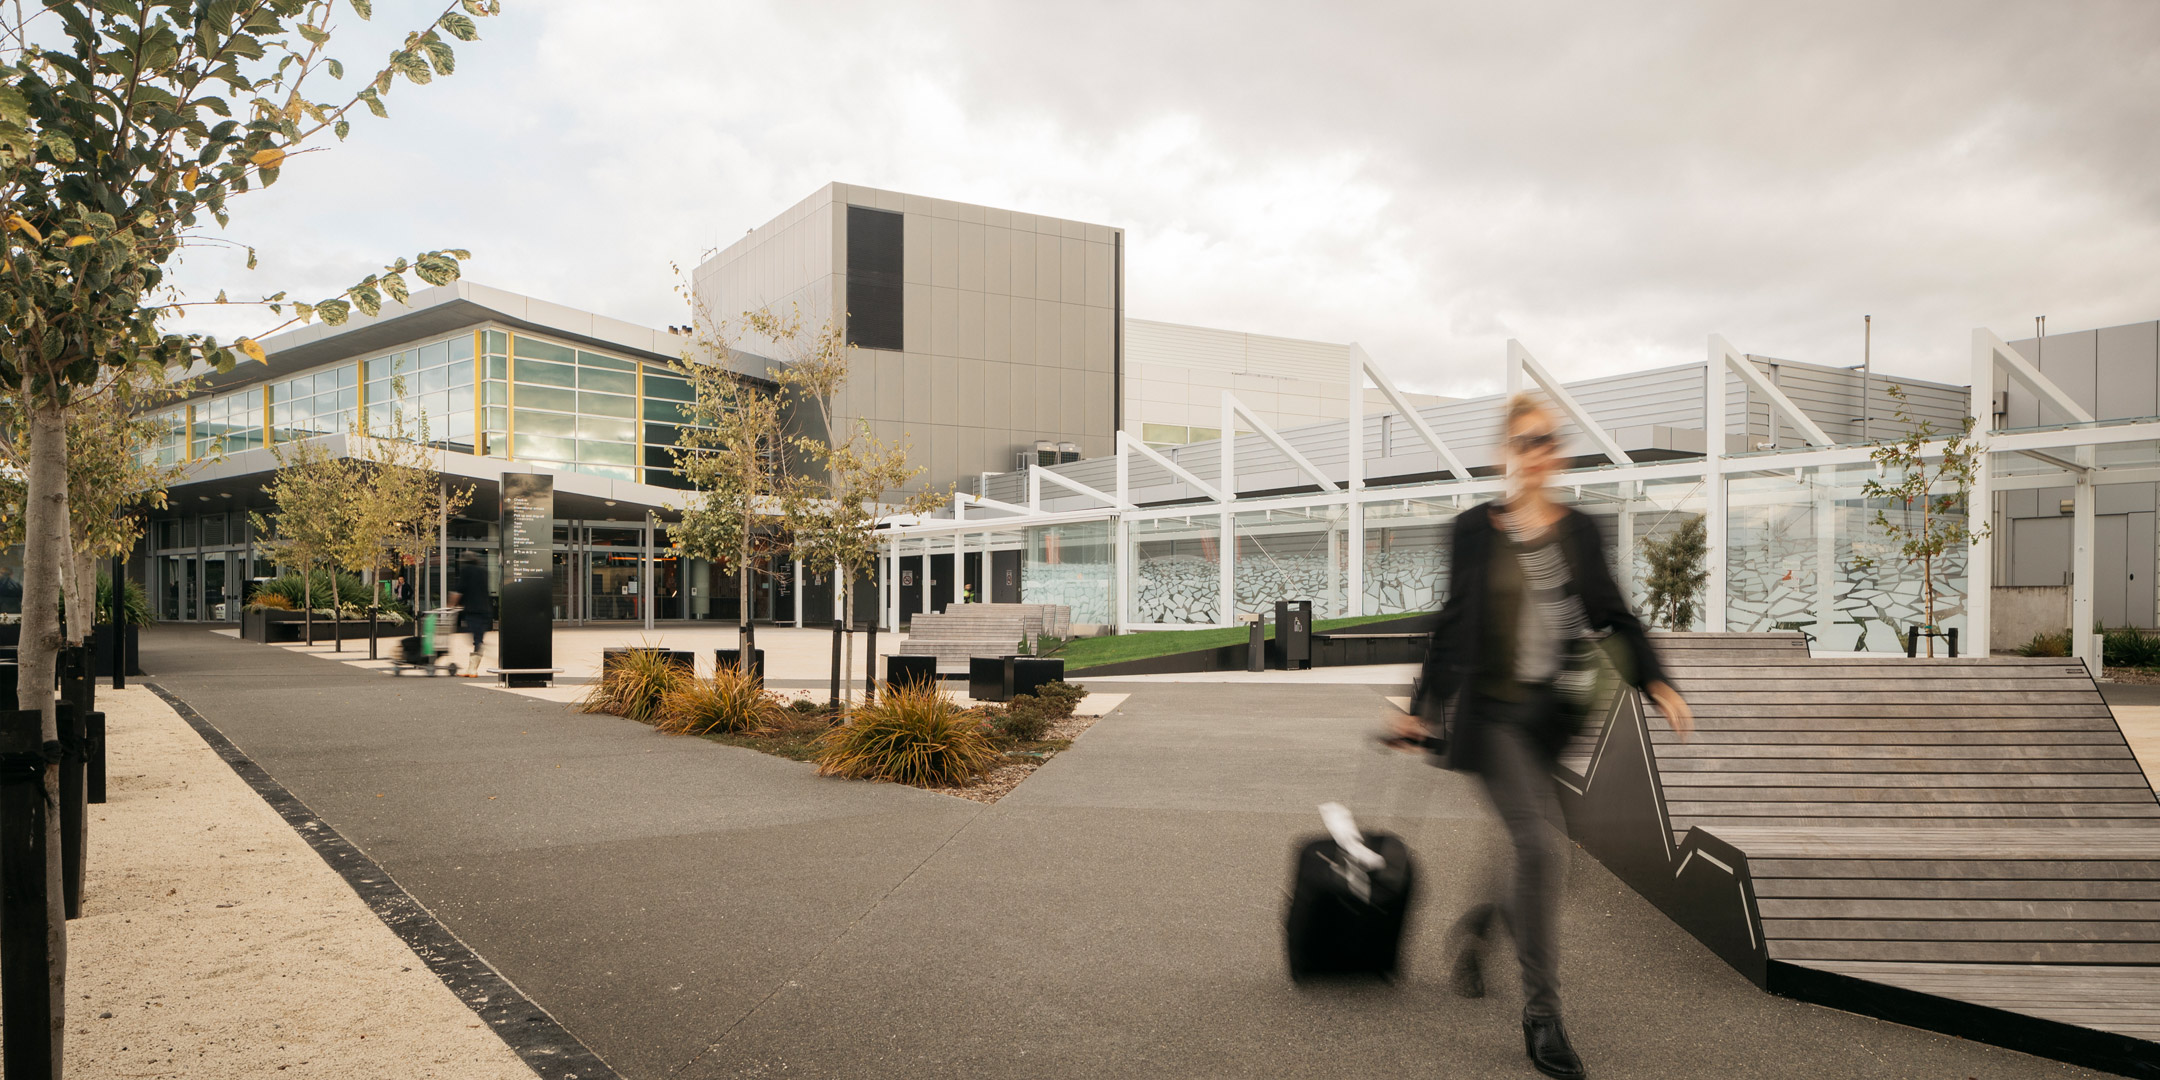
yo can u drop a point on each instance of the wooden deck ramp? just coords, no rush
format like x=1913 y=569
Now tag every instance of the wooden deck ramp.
x=1965 y=845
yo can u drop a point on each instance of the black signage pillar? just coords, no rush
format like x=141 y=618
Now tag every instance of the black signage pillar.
x=526 y=643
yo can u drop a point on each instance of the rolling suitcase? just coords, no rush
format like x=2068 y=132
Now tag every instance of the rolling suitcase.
x=1350 y=898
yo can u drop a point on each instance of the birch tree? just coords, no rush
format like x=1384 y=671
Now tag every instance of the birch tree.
x=127 y=130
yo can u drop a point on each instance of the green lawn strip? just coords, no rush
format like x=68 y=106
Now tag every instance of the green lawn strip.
x=1086 y=653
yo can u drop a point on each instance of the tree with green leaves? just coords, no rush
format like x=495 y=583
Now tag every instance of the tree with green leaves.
x=833 y=506
x=311 y=524
x=1929 y=523
x=733 y=452
x=113 y=477
x=1677 y=575
x=399 y=497
x=127 y=130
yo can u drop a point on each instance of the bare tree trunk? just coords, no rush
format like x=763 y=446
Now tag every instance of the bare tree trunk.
x=307 y=602
x=45 y=542
x=337 y=615
x=847 y=666
x=78 y=581
x=745 y=634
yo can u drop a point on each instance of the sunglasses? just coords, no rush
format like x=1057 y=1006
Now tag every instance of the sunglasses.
x=1523 y=444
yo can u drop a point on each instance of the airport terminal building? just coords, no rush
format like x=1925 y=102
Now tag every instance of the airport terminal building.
x=1090 y=451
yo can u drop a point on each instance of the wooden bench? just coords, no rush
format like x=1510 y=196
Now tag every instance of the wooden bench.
x=1965 y=845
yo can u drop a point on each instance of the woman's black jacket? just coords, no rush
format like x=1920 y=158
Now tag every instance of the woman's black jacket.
x=1452 y=662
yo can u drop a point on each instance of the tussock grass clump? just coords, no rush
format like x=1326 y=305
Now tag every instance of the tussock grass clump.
x=912 y=735
x=2046 y=644
x=2129 y=647
x=634 y=685
x=728 y=702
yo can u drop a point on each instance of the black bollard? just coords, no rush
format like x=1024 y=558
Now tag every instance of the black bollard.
x=1256 y=648
x=1912 y=641
x=870 y=675
x=73 y=809
x=30 y=1014
x=94 y=746
x=839 y=630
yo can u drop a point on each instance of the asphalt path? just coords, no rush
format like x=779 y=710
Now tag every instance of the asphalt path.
x=693 y=910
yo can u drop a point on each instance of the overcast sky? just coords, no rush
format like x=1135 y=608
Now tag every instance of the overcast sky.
x=1608 y=182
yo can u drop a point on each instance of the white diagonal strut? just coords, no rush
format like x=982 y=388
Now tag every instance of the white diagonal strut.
x=1783 y=406
x=1409 y=413
x=2013 y=363
x=1039 y=474
x=1519 y=358
x=1126 y=442
x=992 y=504
x=1232 y=406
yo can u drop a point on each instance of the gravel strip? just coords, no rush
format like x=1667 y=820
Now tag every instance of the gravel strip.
x=215 y=943
x=999 y=782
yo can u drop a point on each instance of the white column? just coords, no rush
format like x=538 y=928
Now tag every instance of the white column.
x=1120 y=571
x=1826 y=568
x=839 y=600
x=1624 y=543
x=1226 y=566
x=1332 y=605
x=1714 y=520
x=1354 y=601
x=798 y=594
x=2085 y=645
x=1980 y=556
x=1226 y=544
x=650 y=601
x=923 y=578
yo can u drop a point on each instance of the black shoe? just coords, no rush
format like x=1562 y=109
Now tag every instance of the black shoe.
x=1546 y=1043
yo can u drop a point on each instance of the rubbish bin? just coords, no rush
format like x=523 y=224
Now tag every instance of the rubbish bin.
x=901 y=670
x=990 y=678
x=1293 y=634
x=1029 y=673
x=732 y=658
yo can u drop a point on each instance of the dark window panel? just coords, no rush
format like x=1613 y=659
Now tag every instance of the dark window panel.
x=875 y=257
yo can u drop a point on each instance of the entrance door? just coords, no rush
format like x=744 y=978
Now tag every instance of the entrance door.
x=615 y=572
x=217 y=607
x=176 y=588
x=2142 y=599
x=2111 y=568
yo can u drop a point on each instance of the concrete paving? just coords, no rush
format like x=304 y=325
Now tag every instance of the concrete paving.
x=693 y=910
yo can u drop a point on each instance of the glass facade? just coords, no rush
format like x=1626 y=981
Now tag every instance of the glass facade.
x=423 y=394
x=487 y=392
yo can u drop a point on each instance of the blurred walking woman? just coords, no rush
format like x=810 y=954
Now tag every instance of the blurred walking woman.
x=1528 y=578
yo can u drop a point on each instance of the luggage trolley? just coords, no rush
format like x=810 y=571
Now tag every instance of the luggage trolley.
x=421 y=650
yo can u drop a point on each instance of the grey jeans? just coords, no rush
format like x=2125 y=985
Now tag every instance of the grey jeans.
x=1519 y=780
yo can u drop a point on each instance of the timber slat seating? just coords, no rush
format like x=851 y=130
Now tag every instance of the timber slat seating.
x=966 y=630
x=1973 y=830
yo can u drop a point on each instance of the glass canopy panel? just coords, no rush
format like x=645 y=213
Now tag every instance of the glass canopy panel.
x=1175 y=568
x=1296 y=554
x=1068 y=564
x=1406 y=553
x=1810 y=551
